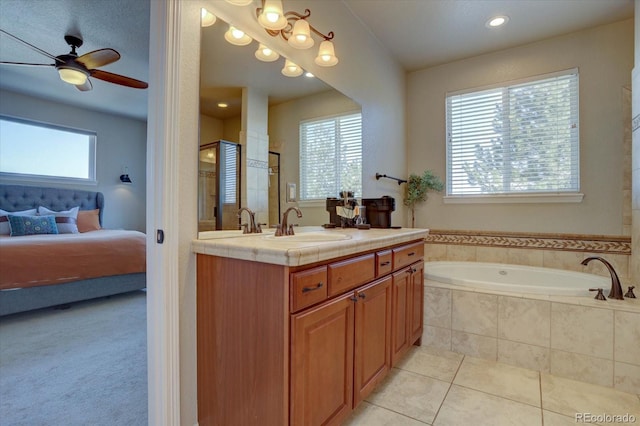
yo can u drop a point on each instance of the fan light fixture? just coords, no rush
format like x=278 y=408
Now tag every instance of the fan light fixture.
x=72 y=76
x=237 y=37
x=207 y=18
x=296 y=30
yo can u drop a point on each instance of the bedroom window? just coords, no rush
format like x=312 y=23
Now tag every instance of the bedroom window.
x=516 y=140
x=330 y=157
x=46 y=152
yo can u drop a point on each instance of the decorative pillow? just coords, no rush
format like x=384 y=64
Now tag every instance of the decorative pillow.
x=89 y=220
x=31 y=225
x=4 y=219
x=67 y=221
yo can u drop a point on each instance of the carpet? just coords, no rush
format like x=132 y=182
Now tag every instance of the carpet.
x=86 y=365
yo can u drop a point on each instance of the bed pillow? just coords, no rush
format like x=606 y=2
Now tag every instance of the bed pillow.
x=67 y=221
x=89 y=220
x=4 y=219
x=32 y=225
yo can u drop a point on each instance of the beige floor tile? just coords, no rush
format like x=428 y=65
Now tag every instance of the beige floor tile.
x=432 y=362
x=371 y=415
x=466 y=407
x=411 y=394
x=569 y=397
x=507 y=381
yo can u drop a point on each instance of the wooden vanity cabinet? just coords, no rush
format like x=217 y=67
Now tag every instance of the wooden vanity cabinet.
x=408 y=303
x=293 y=346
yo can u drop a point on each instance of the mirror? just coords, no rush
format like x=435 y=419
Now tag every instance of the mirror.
x=229 y=73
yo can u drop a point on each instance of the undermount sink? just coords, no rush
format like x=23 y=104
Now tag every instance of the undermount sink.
x=309 y=237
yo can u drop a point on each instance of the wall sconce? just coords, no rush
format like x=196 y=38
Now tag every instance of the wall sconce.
x=290 y=69
x=124 y=177
x=237 y=37
x=296 y=30
x=240 y=2
x=207 y=18
x=266 y=54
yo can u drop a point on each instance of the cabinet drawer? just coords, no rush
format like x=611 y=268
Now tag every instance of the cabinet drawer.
x=384 y=264
x=308 y=287
x=406 y=255
x=350 y=273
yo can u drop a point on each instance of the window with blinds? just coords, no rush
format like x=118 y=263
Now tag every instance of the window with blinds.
x=517 y=139
x=330 y=157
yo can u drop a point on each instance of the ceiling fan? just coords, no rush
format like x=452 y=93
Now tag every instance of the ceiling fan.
x=76 y=70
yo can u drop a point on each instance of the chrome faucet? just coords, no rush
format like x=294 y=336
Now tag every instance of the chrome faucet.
x=283 y=228
x=252 y=227
x=616 y=288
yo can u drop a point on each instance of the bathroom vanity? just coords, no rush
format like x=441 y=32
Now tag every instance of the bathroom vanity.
x=297 y=330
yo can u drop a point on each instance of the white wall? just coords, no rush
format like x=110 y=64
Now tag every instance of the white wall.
x=121 y=142
x=604 y=57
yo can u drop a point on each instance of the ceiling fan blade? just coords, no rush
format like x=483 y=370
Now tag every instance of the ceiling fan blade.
x=28 y=64
x=98 y=58
x=85 y=87
x=118 y=79
x=37 y=49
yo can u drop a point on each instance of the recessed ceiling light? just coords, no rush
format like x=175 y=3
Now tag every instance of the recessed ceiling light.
x=497 y=21
x=222 y=105
x=308 y=74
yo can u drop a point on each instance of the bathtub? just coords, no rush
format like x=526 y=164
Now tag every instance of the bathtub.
x=515 y=278
x=536 y=318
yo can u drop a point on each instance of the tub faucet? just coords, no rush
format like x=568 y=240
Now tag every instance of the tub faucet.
x=252 y=227
x=283 y=228
x=616 y=288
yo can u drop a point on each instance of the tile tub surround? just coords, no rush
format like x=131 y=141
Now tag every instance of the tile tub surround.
x=437 y=387
x=280 y=251
x=560 y=251
x=575 y=337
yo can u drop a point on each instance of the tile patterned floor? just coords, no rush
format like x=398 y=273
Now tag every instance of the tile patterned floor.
x=441 y=388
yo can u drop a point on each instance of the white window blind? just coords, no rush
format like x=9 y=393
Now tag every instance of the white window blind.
x=518 y=139
x=229 y=171
x=330 y=157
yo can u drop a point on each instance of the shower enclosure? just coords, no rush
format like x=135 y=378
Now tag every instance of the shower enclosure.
x=219 y=186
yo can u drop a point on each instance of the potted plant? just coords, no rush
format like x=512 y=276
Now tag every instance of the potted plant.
x=417 y=189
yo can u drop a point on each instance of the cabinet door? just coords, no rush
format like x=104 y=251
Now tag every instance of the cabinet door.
x=372 y=337
x=401 y=307
x=417 y=303
x=322 y=363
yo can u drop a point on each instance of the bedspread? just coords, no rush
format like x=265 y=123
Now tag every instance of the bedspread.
x=36 y=260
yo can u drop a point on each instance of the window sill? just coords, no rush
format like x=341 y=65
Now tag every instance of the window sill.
x=514 y=199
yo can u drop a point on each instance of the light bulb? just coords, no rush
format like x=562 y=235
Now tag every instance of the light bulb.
x=207 y=18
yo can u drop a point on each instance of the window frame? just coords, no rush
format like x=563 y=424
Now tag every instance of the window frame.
x=313 y=202
x=569 y=196
x=36 y=178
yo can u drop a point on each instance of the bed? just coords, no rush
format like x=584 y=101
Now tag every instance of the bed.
x=42 y=270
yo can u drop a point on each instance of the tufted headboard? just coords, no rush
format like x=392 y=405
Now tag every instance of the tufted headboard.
x=21 y=197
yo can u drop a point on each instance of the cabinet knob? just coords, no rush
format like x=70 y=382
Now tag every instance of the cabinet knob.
x=362 y=295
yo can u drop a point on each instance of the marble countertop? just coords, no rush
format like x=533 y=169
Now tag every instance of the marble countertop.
x=310 y=244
